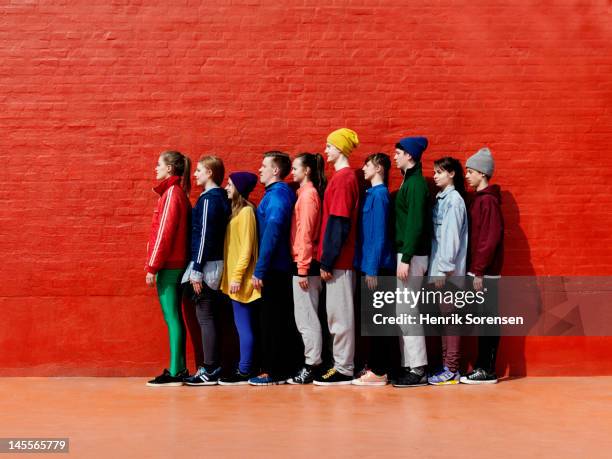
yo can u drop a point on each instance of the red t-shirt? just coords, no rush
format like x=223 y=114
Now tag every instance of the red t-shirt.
x=341 y=198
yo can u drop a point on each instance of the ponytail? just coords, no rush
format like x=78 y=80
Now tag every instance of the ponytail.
x=316 y=163
x=383 y=160
x=181 y=166
x=321 y=180
x=186 y=178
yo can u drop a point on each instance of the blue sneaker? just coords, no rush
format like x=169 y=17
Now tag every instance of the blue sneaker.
x=204 y=378
x=265 y=379
x=444 y=377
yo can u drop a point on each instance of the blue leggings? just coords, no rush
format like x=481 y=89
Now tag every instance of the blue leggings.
x=243 y=318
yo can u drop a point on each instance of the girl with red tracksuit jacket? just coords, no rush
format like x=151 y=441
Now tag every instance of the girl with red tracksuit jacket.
x=168 y=255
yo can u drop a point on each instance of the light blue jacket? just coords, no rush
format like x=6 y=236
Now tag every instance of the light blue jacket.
x=450 y=235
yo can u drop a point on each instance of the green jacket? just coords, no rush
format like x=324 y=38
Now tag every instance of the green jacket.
x=412 y=215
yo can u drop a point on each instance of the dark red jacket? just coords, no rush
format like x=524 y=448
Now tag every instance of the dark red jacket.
x=169 y=241
x=486 y=233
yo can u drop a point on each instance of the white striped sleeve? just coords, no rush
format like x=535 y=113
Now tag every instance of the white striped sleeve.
x=162 y=225
x=203 y=236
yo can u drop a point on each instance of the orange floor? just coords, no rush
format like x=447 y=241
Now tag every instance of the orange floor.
x=120 y=417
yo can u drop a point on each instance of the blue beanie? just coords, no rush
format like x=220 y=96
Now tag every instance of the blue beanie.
x=414 y=146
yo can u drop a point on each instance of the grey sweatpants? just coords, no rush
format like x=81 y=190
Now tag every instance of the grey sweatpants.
x=341 y=319
x=412 y=348
x=306 y=311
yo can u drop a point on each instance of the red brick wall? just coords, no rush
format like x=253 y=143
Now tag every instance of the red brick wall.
x=92 y=91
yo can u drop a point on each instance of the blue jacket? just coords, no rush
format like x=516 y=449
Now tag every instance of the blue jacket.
x=209 y=220
x=274 y=226
x=375 y=243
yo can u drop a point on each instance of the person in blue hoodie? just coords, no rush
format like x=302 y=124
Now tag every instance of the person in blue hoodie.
x=374 y=256
x=209 y=220
x=273 y=271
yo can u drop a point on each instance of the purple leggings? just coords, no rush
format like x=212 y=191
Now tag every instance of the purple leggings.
x=451 y=341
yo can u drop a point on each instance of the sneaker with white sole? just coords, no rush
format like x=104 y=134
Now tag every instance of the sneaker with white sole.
x=332 y=378
x=167 y=380
x=411 y=378
x=237 y=379
x=369 y=378
x=305 y=376
x=204 y=378
x=479 y=376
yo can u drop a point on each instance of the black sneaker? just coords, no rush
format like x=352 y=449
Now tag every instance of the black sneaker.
x=305 y=376
x=479 y=376
x=165 y=379
x=204 y=378
x=396 y=373
x=410 y=379
x=333 y=378
x=237 y=379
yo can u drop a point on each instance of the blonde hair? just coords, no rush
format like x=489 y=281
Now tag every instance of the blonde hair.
x=238 y=202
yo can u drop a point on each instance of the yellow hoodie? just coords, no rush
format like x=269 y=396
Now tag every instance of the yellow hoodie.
x=240 y=256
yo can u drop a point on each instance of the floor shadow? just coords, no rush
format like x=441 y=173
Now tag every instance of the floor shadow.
x=517 y=262
x=194 y=334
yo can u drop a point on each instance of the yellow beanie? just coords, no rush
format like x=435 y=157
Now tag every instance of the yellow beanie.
x=344 y=140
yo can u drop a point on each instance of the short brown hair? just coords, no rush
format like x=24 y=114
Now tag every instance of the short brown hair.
x=215 y=164
x=280 y=160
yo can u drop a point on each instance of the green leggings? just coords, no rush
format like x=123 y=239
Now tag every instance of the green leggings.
x=169 y=292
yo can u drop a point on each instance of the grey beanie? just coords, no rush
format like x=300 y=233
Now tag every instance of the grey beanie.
x=482 y=161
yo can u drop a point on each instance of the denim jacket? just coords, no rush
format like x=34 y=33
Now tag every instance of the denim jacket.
x=450 y=235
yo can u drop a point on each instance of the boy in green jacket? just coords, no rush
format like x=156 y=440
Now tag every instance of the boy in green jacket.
x=412 y=238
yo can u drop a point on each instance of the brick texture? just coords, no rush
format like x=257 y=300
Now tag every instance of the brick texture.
x=92 y=91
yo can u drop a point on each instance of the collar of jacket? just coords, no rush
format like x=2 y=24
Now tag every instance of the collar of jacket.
x=163 y=186
x=272 y=185
x=306 y=186
x=417 y=168
x=493 y=190
x=443 y=194
x=212 y=190
x=375 y=187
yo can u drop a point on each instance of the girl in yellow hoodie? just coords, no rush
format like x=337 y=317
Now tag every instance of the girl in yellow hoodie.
x=240 y=257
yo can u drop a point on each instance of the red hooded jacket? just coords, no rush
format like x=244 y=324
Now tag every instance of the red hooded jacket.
x=168 y=246
x=486 y=233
